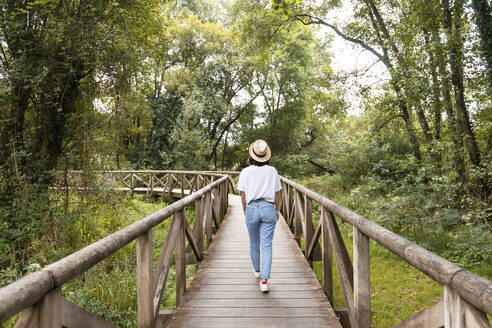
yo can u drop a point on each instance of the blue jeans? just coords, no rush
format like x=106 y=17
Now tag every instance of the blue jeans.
x=261 y=219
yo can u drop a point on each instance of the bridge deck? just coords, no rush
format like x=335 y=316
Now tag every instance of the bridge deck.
x=224 y=292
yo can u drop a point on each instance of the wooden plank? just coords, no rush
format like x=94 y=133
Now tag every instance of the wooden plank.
x=254 y=288
x=215 y=208
x=308 y=226
x=430 y=317
x=458 y=313
x=234 y=269
x=362 y=296
x=243 y=275
x=198 y=228
x=254 y=281
x=28 y=318
x=314 y=240
x=344 y=253
x=338 y=246
x=255 y=294
x=242 y=312
x=475 y=318
x=50 y=315
x=248 y=265
x=454 y=311
x=163 y=265
x=74 y=316
x=208 y=218
x=326 y=258
x=299 y=212
x=144 y=281
x=258 y=303
x=191 y=238
x=254 y=322
x=180 y=258
x=164 y=318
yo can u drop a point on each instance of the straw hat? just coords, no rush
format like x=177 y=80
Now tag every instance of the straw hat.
x=260 y=151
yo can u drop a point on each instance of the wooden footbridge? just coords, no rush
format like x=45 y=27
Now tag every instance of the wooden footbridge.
x=224 y=292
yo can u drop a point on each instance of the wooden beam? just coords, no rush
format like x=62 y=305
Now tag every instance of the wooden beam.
x=344 y=253
x=144 y=281
x=314 y=240
x=163 y=265
x=308 y=226
x=208 y=218
x=28 y=318
x=74 y=316
x=430 y=317
x=191 y=239
x=475 y=318
x=198 y=228
x=326 y=257
x=343 y=270
x=180 y=259
x=163 y=318
x=299 y=212
x=50 y=315
x=460 y=314
x=362 y=296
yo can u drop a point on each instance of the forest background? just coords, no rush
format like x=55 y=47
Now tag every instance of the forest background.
x=404 y=139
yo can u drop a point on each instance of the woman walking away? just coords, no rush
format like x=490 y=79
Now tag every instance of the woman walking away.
x=259 y=186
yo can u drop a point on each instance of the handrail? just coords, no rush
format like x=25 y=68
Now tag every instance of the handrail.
x=31 y=289
x=297 y=210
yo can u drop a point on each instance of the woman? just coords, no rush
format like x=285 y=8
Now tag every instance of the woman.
x=259 y=187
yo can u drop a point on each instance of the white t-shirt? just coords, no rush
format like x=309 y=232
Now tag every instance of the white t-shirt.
x=259 y=182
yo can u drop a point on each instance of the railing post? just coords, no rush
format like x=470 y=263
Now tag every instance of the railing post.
x=198 y=229
x=207 y=210
x=182 y=185
x=308 y=225
x=144 y=281
x=50 y=315
x=297 y=217
x=453 y=309
x=226 y=196
x=326 y=257
x=150 y=187
x=458 y=313
x=180 y=259
x=132 y=183
x=362 y=296
x=292 y=200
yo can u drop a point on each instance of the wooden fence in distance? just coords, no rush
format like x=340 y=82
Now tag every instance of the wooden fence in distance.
x=169 y=184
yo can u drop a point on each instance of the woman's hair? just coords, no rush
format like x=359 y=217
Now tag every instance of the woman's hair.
x=251 y=161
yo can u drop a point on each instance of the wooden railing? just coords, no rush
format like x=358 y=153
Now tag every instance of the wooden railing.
x=167 y=183
x=39 y=294
x=466 y=295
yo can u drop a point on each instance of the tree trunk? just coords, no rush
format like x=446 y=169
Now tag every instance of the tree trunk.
x=455 y=53
x=384 y=38
x=484 y=22
x=454 y=131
